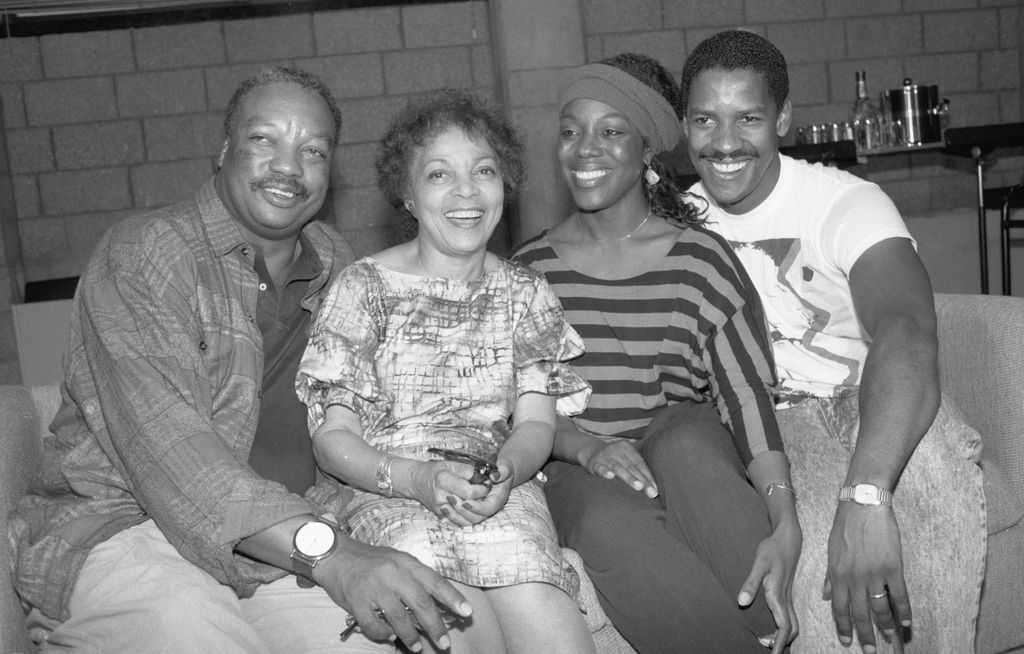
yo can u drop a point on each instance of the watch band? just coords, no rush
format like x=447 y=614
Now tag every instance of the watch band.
x=866 y=495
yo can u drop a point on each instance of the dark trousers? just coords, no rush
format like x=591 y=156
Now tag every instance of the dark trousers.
x=668 y=570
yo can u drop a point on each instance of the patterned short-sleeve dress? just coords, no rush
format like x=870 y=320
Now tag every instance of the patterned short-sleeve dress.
x=432 y=362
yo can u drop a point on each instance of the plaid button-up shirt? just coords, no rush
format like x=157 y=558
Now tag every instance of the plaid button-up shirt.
x=163 y=371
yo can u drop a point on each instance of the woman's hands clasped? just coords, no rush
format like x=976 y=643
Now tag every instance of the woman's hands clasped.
x=444 y=488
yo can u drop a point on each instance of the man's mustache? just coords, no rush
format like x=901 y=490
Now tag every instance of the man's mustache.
x=282 y=183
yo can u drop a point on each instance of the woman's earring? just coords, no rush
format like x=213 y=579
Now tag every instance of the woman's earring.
x=651 y=177
x=409 y=205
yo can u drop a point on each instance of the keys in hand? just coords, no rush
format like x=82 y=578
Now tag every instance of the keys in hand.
x=483 y=470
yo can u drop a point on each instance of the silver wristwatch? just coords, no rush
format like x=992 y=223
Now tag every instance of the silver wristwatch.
x=313 y=542
x=866 y=495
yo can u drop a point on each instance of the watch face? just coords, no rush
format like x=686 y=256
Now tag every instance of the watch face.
x=314 y=539
x=865 y=494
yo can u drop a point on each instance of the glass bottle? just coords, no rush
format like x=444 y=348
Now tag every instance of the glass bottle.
x=864 y=116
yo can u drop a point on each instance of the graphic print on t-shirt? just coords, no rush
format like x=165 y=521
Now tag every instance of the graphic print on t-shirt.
x=794 y=322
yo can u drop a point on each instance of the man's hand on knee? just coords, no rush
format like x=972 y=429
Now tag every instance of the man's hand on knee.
x=390 y=593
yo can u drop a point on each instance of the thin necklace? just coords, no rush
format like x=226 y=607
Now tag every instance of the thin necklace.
x=619 y=238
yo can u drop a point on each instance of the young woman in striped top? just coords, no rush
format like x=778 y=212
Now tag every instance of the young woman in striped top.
x=673 y=330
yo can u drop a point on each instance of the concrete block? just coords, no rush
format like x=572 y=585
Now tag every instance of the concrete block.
x=809 y=41
x=98 y=145
x=86 y=230
x=12 y=105
x=161 y=93
x=20 y=59
x=269 y=39
x=977 y=108
x=357 y=30
x=951 y=190
x=364 y=121
x=531 y=88
x=1009 y=27
x=667 y=46
x=348 y=76
x=416 y=71
x=221 y=82
x=779 y=11
x=910 y=196
x=604 y=16
x=1000 y=69
x=188 y=136
x=847 y=9
x=538 y=33
x=910 y=6
x=29 y=150
x=483 y=65
x=884 y=36
x=352 y=166
x=808 y=84
x=1010 y=107
x=958 y=31
x=87 y=54
x=438 y=25
x=26 y=196
x=72 y=192
x=160 y=184
x=70 y=101
x=952 y=73
x=361 y=208
x=179 y=46
x=685 y=14
x=43 y=239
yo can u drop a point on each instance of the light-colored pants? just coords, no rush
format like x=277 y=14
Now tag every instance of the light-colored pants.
x=939 y=506
x=137 y=594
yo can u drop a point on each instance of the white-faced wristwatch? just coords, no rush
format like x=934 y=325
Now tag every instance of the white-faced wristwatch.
x=313 y=542
x=866 y=495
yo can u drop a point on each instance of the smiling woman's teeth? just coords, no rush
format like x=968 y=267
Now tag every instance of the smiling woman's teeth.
x=587 y=175
x=468 y=213
x=728 y=167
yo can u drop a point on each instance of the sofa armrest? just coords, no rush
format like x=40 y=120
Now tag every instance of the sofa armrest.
x=981 y=360
x=20 y=455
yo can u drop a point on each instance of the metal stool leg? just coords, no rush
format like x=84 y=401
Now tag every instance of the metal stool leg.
x=1005 y=224
x=982 y=231
x=1004 y=242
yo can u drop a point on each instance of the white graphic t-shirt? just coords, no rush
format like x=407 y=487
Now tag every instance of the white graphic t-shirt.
x=798 y=247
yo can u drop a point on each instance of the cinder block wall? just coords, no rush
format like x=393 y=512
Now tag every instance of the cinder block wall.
x=100 y=125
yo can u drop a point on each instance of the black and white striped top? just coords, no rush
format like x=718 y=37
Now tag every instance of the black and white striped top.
x=691 y=328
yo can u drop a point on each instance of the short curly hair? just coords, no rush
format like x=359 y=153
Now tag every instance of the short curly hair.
x=434 y=113
x=649 y=71
x=277 y=74
x=732 y=50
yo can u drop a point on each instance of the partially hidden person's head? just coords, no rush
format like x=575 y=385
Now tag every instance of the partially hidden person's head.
x=615 y=117
x=452 y=161
x=735 y=101
x=280 y=130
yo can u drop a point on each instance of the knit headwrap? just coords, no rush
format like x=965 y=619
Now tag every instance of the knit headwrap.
x=647 y=109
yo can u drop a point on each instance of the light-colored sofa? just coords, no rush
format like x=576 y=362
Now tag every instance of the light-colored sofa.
x=982 y=358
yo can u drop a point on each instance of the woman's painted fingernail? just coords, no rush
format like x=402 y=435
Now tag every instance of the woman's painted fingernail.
x=454 y=501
